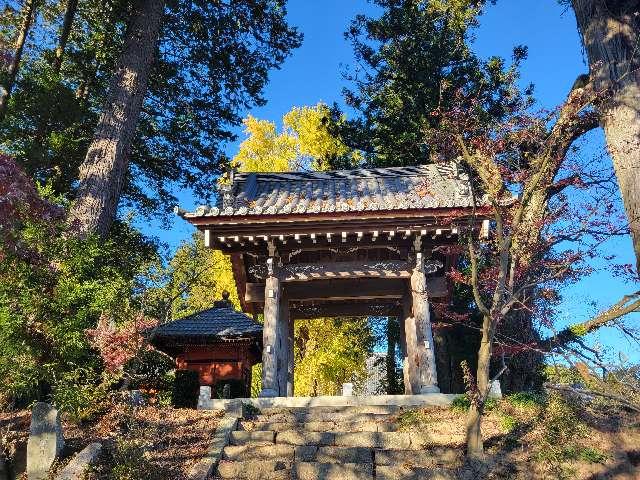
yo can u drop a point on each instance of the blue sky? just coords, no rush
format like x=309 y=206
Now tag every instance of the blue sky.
x=314 y=73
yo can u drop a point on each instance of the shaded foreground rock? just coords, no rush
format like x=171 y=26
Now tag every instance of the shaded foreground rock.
x=78 y=466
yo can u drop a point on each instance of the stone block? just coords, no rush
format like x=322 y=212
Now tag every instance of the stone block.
x=254 y=470
x=311 y=453
x=418 y=458
x=204 y=398
x=347 y=389
x=46 y=441
x=258 y=452
x=255 y=438
x=382 y=440
x=333 y=471
x=407 y=473
x=301 y=437
x=77 y=467
x=425 y=440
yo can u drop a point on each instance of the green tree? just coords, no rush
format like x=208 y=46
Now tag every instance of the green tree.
x=414 y=60
x=211 y=62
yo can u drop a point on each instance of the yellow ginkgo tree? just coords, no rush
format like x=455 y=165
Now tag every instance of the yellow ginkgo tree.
x=305 y=142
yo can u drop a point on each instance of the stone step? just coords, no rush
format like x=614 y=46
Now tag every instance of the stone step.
x=239 y=437
x=376 y=409
x=449 y=457
x=254 y=470
x=259 y=452
x=400 y=472
x=311 y=453
x=332 y=471
x=320 y=426
x=321 y=416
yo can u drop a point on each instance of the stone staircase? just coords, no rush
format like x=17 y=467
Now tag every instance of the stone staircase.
x=346 y=443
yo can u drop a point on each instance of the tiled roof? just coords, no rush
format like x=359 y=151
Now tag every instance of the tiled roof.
x=220 y=321
x=442 y=185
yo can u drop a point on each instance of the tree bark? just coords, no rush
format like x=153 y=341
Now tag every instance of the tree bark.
x=28 y=13
x=475 y=445
x=104 y=168
x=69 y=14
x=610 y=32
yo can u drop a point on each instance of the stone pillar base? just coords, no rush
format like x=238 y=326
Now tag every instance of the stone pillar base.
x=429 y=389
x=268 y=393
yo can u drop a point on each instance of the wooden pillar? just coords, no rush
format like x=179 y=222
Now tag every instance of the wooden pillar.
x=410 y=354
x=273 y=352
x=425 y=353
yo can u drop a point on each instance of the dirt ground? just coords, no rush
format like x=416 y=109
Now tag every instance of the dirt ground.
x=609 y=448
x=168 y=440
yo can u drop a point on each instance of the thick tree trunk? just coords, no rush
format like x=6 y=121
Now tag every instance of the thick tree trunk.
x=28 y=13
x=392 y=341
x=610 y=32
x=104 y=168
x=69 y=14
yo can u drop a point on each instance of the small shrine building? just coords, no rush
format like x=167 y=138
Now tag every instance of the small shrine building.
x=219 y=343
x=362 y=242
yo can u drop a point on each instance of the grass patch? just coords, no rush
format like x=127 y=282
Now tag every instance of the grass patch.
x=462 y=404
x=526 y=400
x=411 y=419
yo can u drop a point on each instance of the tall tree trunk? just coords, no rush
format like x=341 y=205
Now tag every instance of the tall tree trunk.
x=392 y=340
x=28 y=13
x=69 y=14
x=610 y=32
x=104 y=168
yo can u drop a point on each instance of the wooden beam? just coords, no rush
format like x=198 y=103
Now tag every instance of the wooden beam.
x=349 y=289
x=299 y=272
x=344 y=309
x=363 y=289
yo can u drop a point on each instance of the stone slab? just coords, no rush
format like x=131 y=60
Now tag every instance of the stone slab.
x=258 y=452
x=256 y=438
x=407 y=473
x=381 y=440
x=308 y=453
x=333 y=471
x=299 y=437
x=207 y=465
x=77 y=467
x=254 y=470
x=46 y=441
x=418 y=458
x=319 y=426
x=430 y=399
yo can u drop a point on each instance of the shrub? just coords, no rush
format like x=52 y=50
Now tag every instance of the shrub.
x=149 y=370
x=526 y=399
x=130 y=462
x=561 y=428
x=81 y=393
x=186 y=389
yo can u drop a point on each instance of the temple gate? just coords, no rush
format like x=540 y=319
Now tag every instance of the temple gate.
x=364 y=242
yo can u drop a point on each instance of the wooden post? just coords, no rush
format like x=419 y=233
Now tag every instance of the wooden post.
x=409 y=365
x=271 y=334
x=425 y=358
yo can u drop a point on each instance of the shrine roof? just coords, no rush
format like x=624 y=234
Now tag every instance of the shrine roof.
x=433 y=186
x=221 y=321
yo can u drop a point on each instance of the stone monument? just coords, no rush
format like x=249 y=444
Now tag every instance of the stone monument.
x=45 y=441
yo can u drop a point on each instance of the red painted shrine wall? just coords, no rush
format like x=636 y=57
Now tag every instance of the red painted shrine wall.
x=219 y=362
